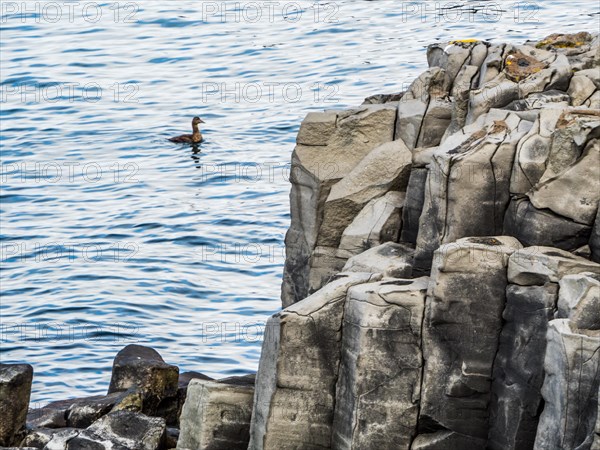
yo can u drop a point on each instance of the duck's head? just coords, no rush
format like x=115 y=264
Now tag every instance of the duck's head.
x=197 y=120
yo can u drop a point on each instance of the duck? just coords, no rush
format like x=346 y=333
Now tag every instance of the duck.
x=194 y=138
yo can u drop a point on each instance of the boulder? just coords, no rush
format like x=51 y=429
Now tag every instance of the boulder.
x=378 y=222
x=216 y=415
x=295 y=385
x=329 y=146
x=389 y=259
x=144 y=369
x=540 y=265
x=380 y=371
x=15 y=390
x=519 y=366
x=579 y=300
x=73 y=413
x=536 y=227
x=461 y=330
x=512 y=72
x=570 y=389
x=386 y=168
x=469 y=168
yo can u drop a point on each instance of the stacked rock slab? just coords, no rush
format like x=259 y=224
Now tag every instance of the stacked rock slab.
x=379 y=382
x=463 y=320
x=15 y=390
x=570 y=390
x=216 y=415
x=329 y=146
x=295 y=387
x=534 y=274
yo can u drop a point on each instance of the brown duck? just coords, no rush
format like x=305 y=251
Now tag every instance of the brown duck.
x=194 y=138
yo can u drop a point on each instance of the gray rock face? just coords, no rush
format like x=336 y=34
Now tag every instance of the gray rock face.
x=579 y=300
x=378 y=222
x=329 y=146
x=298 y=370
x=533 y=227
x=216 y=415
x=540 y=265
x=461 y=329
x=143 y=368
x=519 y=366
x=469 y=169
x=570 y=389
x=380 y=373
x=389 y=259
x=413 y=205
x=15 y=390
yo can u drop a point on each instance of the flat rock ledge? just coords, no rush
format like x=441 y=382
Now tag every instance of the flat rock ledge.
x=441 y=285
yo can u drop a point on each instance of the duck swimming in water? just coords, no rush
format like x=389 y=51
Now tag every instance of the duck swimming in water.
x=194 y=138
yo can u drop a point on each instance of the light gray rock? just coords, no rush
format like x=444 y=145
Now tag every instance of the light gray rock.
x=389 y=259
x=424 y=112
x=574 y=193
x=535 y=227
x=385 y=168
x=216 y=415
x=144 y=369
x=463 y=320
x=570 y=389
x=298 y=369
x=579 y=300
x=378 y=389
x=540 y=265
x=15 y=390
x=329 y=146
x=511 y=72
x=581 y=89
x=519 y=366
x=378 y=222
x=470 y=168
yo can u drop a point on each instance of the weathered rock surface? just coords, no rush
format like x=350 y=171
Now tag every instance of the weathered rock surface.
x=329 y=146
x=461 y=329
x=389 y=259
x=469 y=168
x=378 y=222
x=540 y=265
x=579 y=300
x=380 y=373
x=570 y=389
x=295 y=385
x=216 y=415
x=595 y=238
x=519 y=366
x=413 y=205
x=15 y=390
x=144 y=369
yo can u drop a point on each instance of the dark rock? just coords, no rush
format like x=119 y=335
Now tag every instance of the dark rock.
x=570 y=389
x=532 y=226
x=15 y=390
x=519 y=366
x=595 y=238
x=413 y=205
x=130 y=430
x=144 y=369
x=461 y=329
x=379 y=99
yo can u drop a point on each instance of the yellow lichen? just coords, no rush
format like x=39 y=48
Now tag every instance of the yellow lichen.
x=464 y=41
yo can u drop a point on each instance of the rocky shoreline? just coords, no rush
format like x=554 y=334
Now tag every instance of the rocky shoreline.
x=441 y=288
